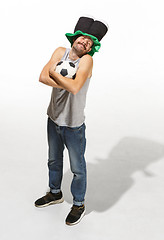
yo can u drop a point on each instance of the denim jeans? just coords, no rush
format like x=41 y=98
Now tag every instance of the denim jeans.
x=75 y=141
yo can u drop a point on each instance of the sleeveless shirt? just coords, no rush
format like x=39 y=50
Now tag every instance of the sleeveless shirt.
x=66 y=109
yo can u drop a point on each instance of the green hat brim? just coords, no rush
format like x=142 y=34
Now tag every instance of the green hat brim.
x=96 y=44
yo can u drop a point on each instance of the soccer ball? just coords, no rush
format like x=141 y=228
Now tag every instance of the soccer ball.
x=66 y=69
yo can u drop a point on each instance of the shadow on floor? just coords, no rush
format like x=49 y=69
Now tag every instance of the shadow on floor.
x=109 y=179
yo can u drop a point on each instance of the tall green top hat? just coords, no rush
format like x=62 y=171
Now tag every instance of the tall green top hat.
x=87 y=26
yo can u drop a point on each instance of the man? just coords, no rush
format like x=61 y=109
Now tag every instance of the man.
x=66 y=120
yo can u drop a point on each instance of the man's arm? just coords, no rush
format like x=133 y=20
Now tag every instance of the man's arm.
x=44 y=76
x=83 y=72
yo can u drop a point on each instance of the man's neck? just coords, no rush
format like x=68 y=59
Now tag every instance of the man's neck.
x=73 y=55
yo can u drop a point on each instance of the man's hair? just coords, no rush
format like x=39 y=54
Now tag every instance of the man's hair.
x=77 y=36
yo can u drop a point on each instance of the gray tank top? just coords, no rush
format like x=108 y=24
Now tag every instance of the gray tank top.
x=66 y=109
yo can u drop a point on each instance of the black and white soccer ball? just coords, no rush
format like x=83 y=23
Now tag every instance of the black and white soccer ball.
x=66 y=69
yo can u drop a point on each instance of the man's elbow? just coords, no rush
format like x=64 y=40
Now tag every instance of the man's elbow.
x=42 y=79
x=75 y=90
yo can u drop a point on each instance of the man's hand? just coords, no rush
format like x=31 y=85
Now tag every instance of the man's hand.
x=52 y=70
x=53 y=74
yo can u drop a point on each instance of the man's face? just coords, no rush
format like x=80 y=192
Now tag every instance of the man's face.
x=83 y=45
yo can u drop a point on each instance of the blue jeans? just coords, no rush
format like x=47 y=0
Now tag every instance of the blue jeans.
x=75 y=141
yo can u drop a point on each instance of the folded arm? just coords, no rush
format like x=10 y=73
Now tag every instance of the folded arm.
x=84 y=71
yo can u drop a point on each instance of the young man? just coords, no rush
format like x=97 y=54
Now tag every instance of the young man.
x=66 y=120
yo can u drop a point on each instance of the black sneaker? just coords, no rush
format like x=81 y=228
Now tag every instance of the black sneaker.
x=75 y=215
x=49 y=198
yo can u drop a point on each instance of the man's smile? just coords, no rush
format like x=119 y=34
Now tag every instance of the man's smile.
x=82 y=45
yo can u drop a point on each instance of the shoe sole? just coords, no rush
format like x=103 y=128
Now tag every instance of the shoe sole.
x=50 y=203
x=71 y=224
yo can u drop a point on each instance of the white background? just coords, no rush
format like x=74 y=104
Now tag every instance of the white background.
x=124 y=118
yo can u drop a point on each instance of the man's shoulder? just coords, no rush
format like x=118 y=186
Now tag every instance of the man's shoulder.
x=60 y=50
x=86 y=59
x=58 y=54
